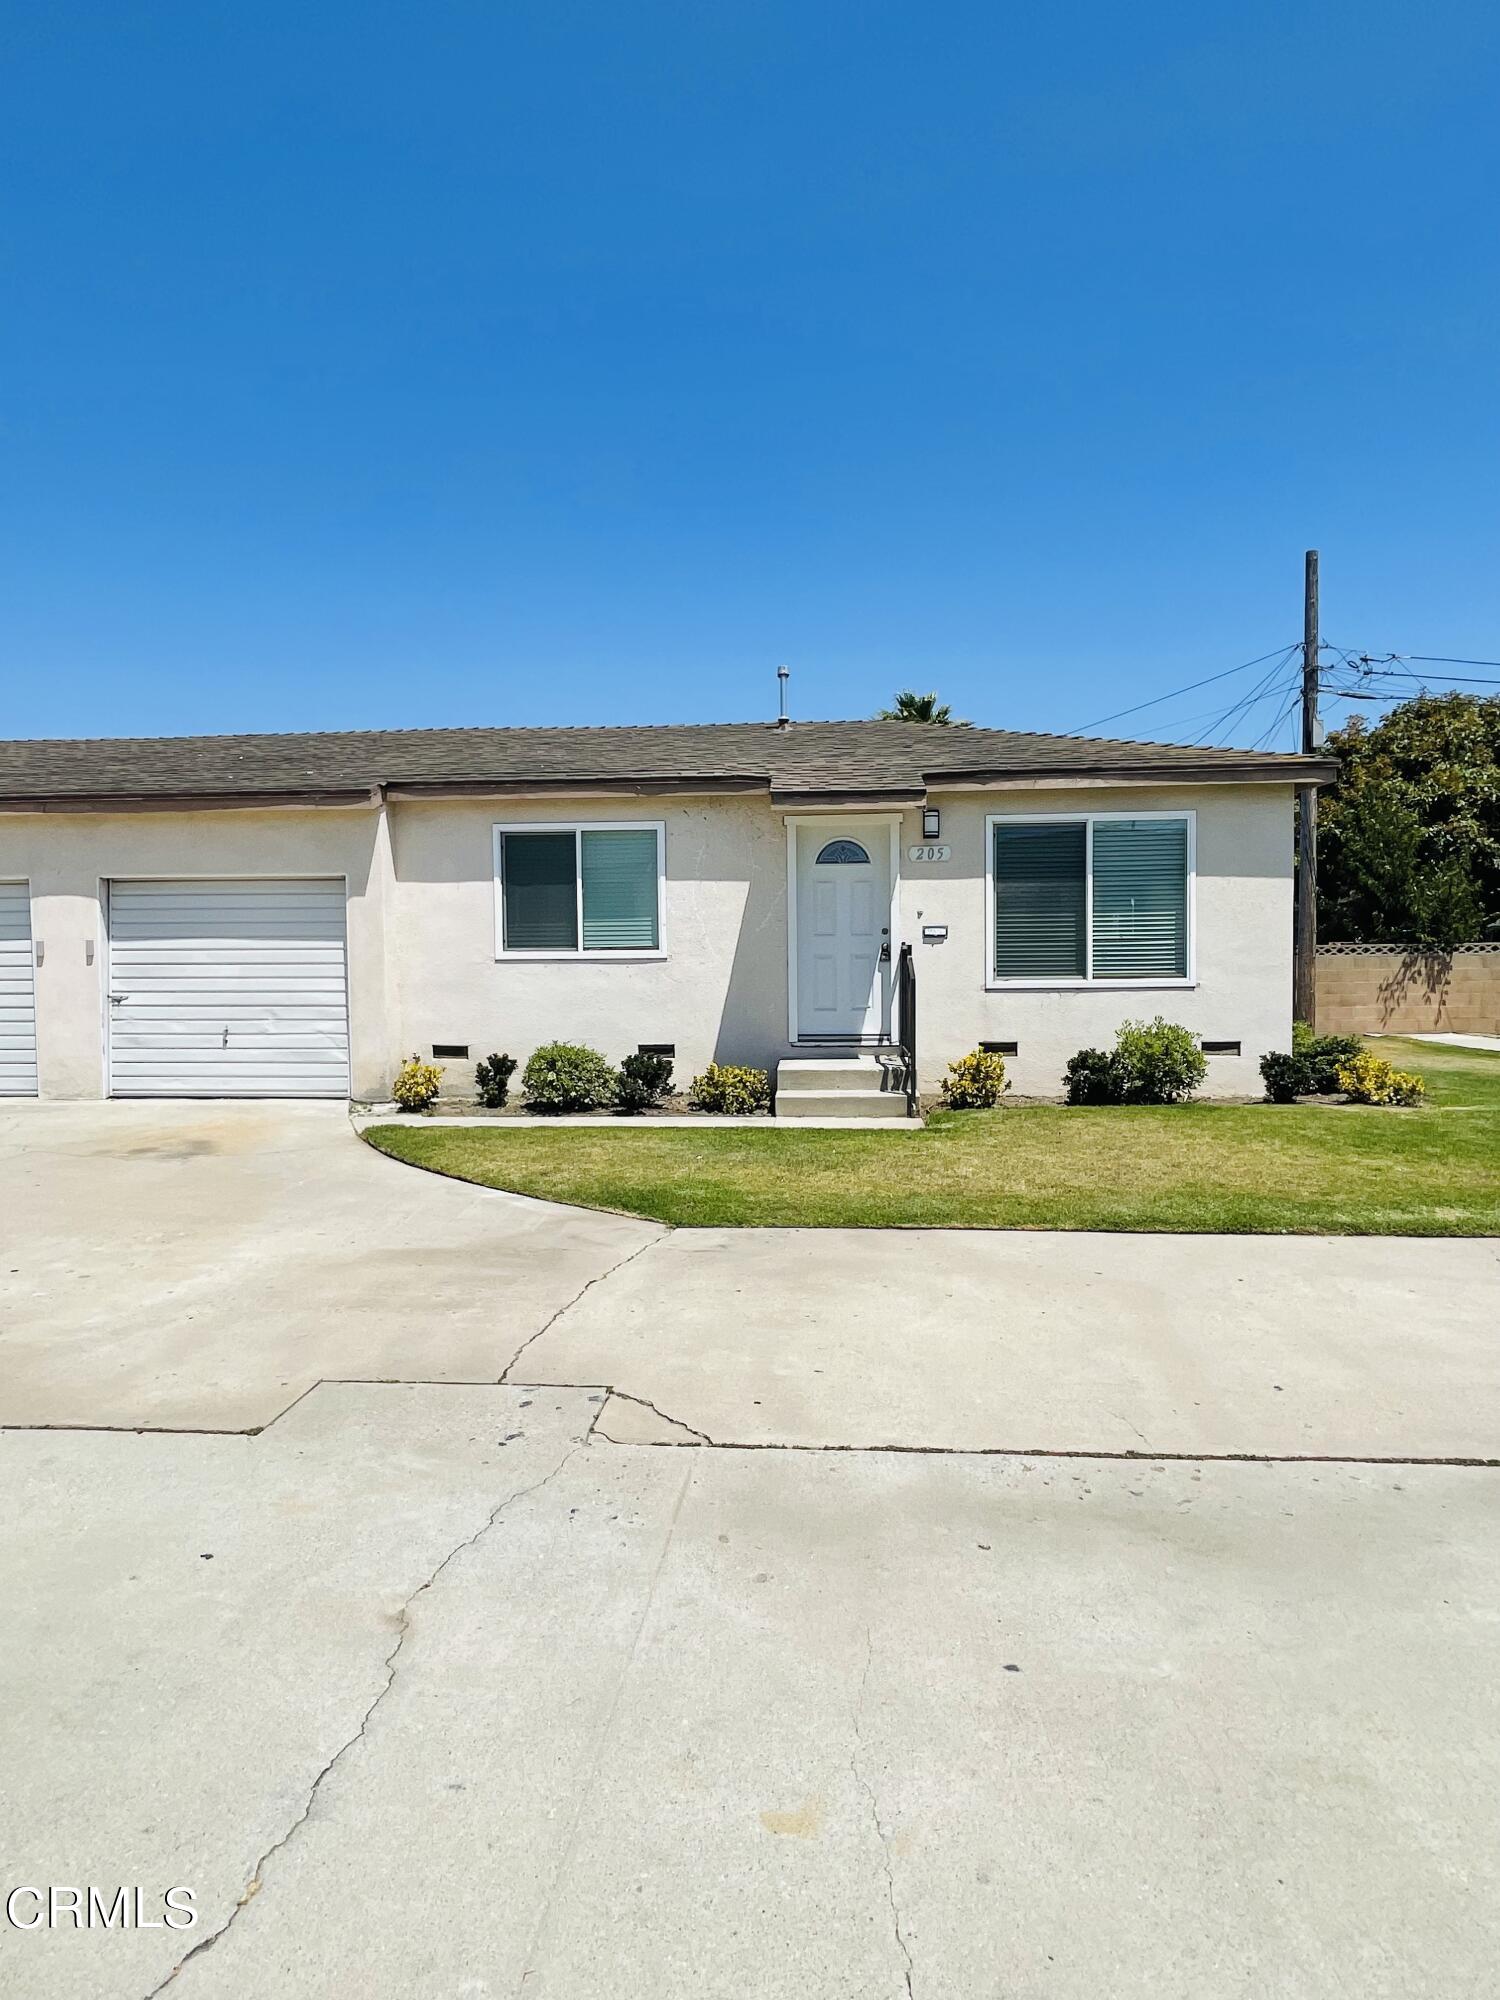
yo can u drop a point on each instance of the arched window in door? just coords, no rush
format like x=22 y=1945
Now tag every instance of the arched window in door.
x=842 y=850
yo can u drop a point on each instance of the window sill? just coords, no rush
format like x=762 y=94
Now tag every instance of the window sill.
x=1090 y=985
x=578 y=957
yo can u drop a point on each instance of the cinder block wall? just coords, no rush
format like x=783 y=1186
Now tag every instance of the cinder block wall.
x=1396 y=991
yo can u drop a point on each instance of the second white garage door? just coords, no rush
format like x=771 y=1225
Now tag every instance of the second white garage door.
x=17 y=1005
x=227 y=989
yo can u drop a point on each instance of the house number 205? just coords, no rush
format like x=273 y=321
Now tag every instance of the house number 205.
x=931 y=851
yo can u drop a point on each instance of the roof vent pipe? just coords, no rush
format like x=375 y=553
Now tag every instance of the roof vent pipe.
x=783 y=675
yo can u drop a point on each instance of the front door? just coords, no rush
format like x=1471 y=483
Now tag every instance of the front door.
x=843 y=983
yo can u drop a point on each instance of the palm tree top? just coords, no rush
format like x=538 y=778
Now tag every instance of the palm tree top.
x=913 y=707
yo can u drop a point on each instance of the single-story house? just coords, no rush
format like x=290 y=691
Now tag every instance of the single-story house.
x=292 y=915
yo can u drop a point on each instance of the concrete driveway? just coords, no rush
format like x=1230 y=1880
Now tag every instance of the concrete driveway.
x=1279 y=1347
x=429 y=1686
x=199 y=1267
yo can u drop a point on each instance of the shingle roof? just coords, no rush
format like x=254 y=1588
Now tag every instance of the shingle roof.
x=806 y=760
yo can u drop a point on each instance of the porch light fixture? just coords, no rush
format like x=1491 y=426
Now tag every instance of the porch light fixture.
x=932 y=822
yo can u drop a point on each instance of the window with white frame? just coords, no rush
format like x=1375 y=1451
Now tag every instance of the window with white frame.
x=1091 y=898
x=581 y=889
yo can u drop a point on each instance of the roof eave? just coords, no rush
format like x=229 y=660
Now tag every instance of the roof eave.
x=540 y=788
x=134 y=802
x=853 y=798
x=1288 y=771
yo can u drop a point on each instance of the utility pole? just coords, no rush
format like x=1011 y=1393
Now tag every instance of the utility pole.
x=1305 y=946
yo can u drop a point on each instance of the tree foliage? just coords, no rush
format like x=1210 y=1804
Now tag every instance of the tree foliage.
x=912 y=707
x=1409 y=838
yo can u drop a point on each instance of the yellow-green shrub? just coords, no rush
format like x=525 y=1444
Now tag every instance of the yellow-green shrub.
x=976 y=1082
x=1370 y=1079
x=726 y=1087
x=417 y=1084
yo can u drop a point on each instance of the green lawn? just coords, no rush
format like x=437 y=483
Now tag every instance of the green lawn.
x=1348 y=1171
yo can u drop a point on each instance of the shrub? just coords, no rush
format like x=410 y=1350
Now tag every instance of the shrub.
x=417 y=1084
x=1370 y=1079
x=976 y=1082
x=1163 y=1063
x=726 y=1087
x=1311 y=1070
x=561 y=1076
x=1092 y=1077
x=492 y=1080
x=1322 y=1055
x=1286 y=1077
x=644 y=1082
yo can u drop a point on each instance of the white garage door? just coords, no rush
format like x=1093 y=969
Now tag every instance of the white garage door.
x=227 y=989
x=17 y=1003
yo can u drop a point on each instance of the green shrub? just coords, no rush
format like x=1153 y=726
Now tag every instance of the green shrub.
x=1369 y=1079
x=562 y=1076
x=1163 y=1063
x=1322 y=1055
x=727 y=1088
x=1092 y=1077
x=492 y=1080
x=1286 y=1077
x=976 y=1082
x=417 y=1084
x=644 y=1082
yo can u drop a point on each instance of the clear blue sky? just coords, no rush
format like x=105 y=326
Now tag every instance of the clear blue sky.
x=520 y=363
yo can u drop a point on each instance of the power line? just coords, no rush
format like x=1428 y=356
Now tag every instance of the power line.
x=1380 y=666
x=1369 y=669
x=1421 y=680
x=1450 y=680
x=1157 y=700
x=1284 y=715
x=1269 y=684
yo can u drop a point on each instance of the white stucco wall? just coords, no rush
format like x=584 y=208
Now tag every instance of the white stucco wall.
x=718 y=993
x=422 y=945
x=1243 y=986
x=68 y=858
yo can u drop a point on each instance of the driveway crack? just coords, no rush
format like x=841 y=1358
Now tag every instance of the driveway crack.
x=645 y=1403
x=880 y=1831
x=391 y=1667
x=598 y=1279
x=601 y=1744
x=1120 y=1418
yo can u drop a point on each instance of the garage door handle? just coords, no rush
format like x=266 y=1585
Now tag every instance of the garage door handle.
x=116 y=998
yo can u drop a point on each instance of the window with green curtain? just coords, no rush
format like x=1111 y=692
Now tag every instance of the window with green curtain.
x=540 y=890
x=1041 y=874
x=619 y=888
x=1140 y=899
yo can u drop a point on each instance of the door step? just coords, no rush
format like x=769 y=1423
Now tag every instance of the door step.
x=859 y=1089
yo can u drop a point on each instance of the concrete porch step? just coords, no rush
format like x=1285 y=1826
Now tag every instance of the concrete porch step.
x=861 y=1087
x=865 y=1071
x=855 y=1106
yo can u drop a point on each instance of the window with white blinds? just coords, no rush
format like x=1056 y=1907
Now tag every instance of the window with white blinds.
x=1095 y=897
x=1041 y=886
x=1140 y=898
x=579 y=890
x=617 y=870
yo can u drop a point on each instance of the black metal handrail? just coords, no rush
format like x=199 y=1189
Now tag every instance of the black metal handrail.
x=906 y=1024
